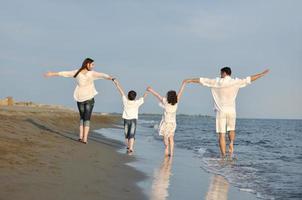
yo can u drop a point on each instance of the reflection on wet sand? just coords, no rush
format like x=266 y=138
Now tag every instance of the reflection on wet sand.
x=161 y=179
x=218 y=189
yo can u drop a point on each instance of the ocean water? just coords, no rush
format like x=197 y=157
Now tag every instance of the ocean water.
x=268 y=152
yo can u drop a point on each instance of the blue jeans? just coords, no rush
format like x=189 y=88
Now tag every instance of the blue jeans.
x=85 y=110
x=130 y=128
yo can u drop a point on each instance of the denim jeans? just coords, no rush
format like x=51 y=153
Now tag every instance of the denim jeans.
x=130 y=128
x=85 y=110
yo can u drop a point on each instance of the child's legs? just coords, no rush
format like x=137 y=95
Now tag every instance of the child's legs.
x=132 y=134
x=166 y=142
x=127 y=130
x=171 y=142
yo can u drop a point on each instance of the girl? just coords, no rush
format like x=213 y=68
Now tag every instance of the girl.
x=168 y=123
x=84 y=92
x=130 y=114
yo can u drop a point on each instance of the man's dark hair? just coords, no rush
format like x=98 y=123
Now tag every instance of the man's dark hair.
x=227 y=70
x=131 y=95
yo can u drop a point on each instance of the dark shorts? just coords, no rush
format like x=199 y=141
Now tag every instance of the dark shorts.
x=130 y=128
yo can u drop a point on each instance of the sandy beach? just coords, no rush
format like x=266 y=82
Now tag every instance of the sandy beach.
x=42 y=159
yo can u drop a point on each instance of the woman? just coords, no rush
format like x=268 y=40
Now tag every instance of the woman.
x=84 y=92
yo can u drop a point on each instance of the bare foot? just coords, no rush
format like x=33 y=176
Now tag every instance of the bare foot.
x=130 y=152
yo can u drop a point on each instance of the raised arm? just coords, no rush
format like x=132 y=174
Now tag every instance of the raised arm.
x=180 y=92
x=160 y=98
x=257 y=76
x=119 y=88
x=145 y=94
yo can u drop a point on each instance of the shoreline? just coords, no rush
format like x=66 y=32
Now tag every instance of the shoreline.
x=41 y=157
x=177 y=178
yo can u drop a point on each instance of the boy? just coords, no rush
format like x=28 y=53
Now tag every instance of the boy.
x=130 y=114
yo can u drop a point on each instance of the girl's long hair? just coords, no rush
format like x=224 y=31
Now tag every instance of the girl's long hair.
x=84 y=66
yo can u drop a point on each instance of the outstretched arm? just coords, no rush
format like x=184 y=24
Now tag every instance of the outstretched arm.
x=180 y=92
x=51 y=74
x=99 y=75
x=62 y=73
x=119 y=88
x=160 y=98
x=257 y=76
x=193 y=80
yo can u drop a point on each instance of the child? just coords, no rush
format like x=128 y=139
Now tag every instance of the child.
x=130 y=114
x=168 y=123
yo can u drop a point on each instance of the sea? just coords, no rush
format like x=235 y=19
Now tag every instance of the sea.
x=267 y=161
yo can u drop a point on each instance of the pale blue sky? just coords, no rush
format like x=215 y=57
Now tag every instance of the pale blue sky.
x=155 y=43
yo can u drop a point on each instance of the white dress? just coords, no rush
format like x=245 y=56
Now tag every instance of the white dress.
x=167 y=125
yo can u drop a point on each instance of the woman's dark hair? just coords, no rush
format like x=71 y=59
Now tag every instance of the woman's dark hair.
x=227 y=70
x=84 y=66
x=172 y=97
x=131 y=95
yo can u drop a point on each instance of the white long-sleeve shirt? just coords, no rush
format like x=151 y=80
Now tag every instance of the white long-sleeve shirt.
x=85 y=88
x=224 y=91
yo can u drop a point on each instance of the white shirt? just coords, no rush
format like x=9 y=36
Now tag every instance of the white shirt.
x=85 y=88
x=131 y=107
x=169 y=111
x=224 y=91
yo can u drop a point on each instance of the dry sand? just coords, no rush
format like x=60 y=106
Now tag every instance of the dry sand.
x=40 y=158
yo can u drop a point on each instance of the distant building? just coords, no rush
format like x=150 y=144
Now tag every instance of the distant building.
x=8 y=101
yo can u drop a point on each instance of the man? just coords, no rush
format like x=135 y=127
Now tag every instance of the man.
x=224 y=91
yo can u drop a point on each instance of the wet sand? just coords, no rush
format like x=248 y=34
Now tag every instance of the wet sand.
x=177 y=178
x=40 y=158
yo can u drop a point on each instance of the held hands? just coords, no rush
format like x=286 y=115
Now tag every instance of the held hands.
x=265 y=72
x=149 y=89
x=114 y=80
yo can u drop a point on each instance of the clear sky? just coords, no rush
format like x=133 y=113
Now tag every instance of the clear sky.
x=155 y=43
